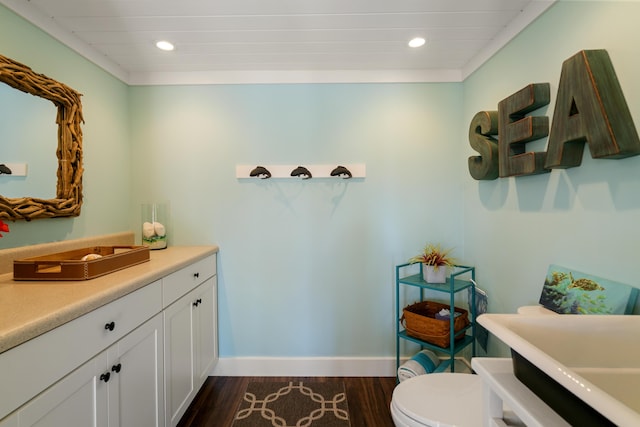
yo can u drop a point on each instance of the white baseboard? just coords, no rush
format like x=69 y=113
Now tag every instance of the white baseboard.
x=306 y=367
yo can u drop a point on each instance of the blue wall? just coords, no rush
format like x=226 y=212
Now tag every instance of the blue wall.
x=306 y=267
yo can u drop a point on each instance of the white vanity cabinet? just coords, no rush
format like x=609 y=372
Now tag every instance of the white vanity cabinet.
x=136 y=361
x=190 y=334
x=80 y=392
x=121 y=386
x=37 y=364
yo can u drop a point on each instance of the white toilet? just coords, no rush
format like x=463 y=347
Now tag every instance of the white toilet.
x=438 y=400
x=444 y=399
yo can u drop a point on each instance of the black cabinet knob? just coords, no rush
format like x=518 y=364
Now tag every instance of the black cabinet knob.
x=110 y=326
x=116 y=368
x=105 y=377
x=196 y=275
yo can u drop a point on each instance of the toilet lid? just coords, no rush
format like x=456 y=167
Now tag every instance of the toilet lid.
x=442 y=399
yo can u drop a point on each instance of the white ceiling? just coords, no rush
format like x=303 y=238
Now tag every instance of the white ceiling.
x=234 y=41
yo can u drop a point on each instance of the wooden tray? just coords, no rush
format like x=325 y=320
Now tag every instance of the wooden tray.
x=70 y=266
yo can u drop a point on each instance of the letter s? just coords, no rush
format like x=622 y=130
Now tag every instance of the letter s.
x=482 y=126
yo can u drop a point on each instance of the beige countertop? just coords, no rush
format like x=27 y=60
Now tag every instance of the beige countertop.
x=31 y=308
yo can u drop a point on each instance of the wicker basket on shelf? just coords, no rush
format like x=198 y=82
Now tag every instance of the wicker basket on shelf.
x=419 y=320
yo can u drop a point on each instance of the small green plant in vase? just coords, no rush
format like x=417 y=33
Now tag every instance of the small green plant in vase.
x=436 y=262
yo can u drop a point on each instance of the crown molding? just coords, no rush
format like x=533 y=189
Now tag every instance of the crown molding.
x=528 y=15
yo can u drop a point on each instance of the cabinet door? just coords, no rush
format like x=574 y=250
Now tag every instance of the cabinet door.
x=191 y=347
x=205 y=330
x=178 y=362
x=79 y=399
x=136 y=389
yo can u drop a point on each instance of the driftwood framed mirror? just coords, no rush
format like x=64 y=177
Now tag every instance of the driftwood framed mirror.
x=68 y=199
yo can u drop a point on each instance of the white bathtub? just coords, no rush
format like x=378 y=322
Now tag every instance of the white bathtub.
x=596 y=358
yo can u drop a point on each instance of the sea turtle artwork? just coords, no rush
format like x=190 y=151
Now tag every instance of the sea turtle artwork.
x=568 y=291
x=584 y=284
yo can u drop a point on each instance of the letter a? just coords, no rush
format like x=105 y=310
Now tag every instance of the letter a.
x=590 y=107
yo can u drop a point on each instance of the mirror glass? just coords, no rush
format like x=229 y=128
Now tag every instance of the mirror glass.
x=67 y=200
x=28 y=134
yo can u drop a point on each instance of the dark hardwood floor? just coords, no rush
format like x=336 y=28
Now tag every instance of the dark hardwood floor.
x=216 y=403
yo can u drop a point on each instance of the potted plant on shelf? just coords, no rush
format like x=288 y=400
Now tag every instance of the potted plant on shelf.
x=436 y=262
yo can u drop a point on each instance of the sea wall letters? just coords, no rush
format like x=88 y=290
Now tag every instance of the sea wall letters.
x=590 y=108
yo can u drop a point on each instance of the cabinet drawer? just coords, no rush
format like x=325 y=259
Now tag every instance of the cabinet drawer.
x=36 y=364
x=184 y=280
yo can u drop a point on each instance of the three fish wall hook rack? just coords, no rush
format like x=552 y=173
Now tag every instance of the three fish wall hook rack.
x=301 y=172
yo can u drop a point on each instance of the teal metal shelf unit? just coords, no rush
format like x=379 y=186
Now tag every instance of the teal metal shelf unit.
x=461 y=278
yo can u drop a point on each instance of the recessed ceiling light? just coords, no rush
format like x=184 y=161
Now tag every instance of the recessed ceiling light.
x=416 y=42
x=164 y=45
